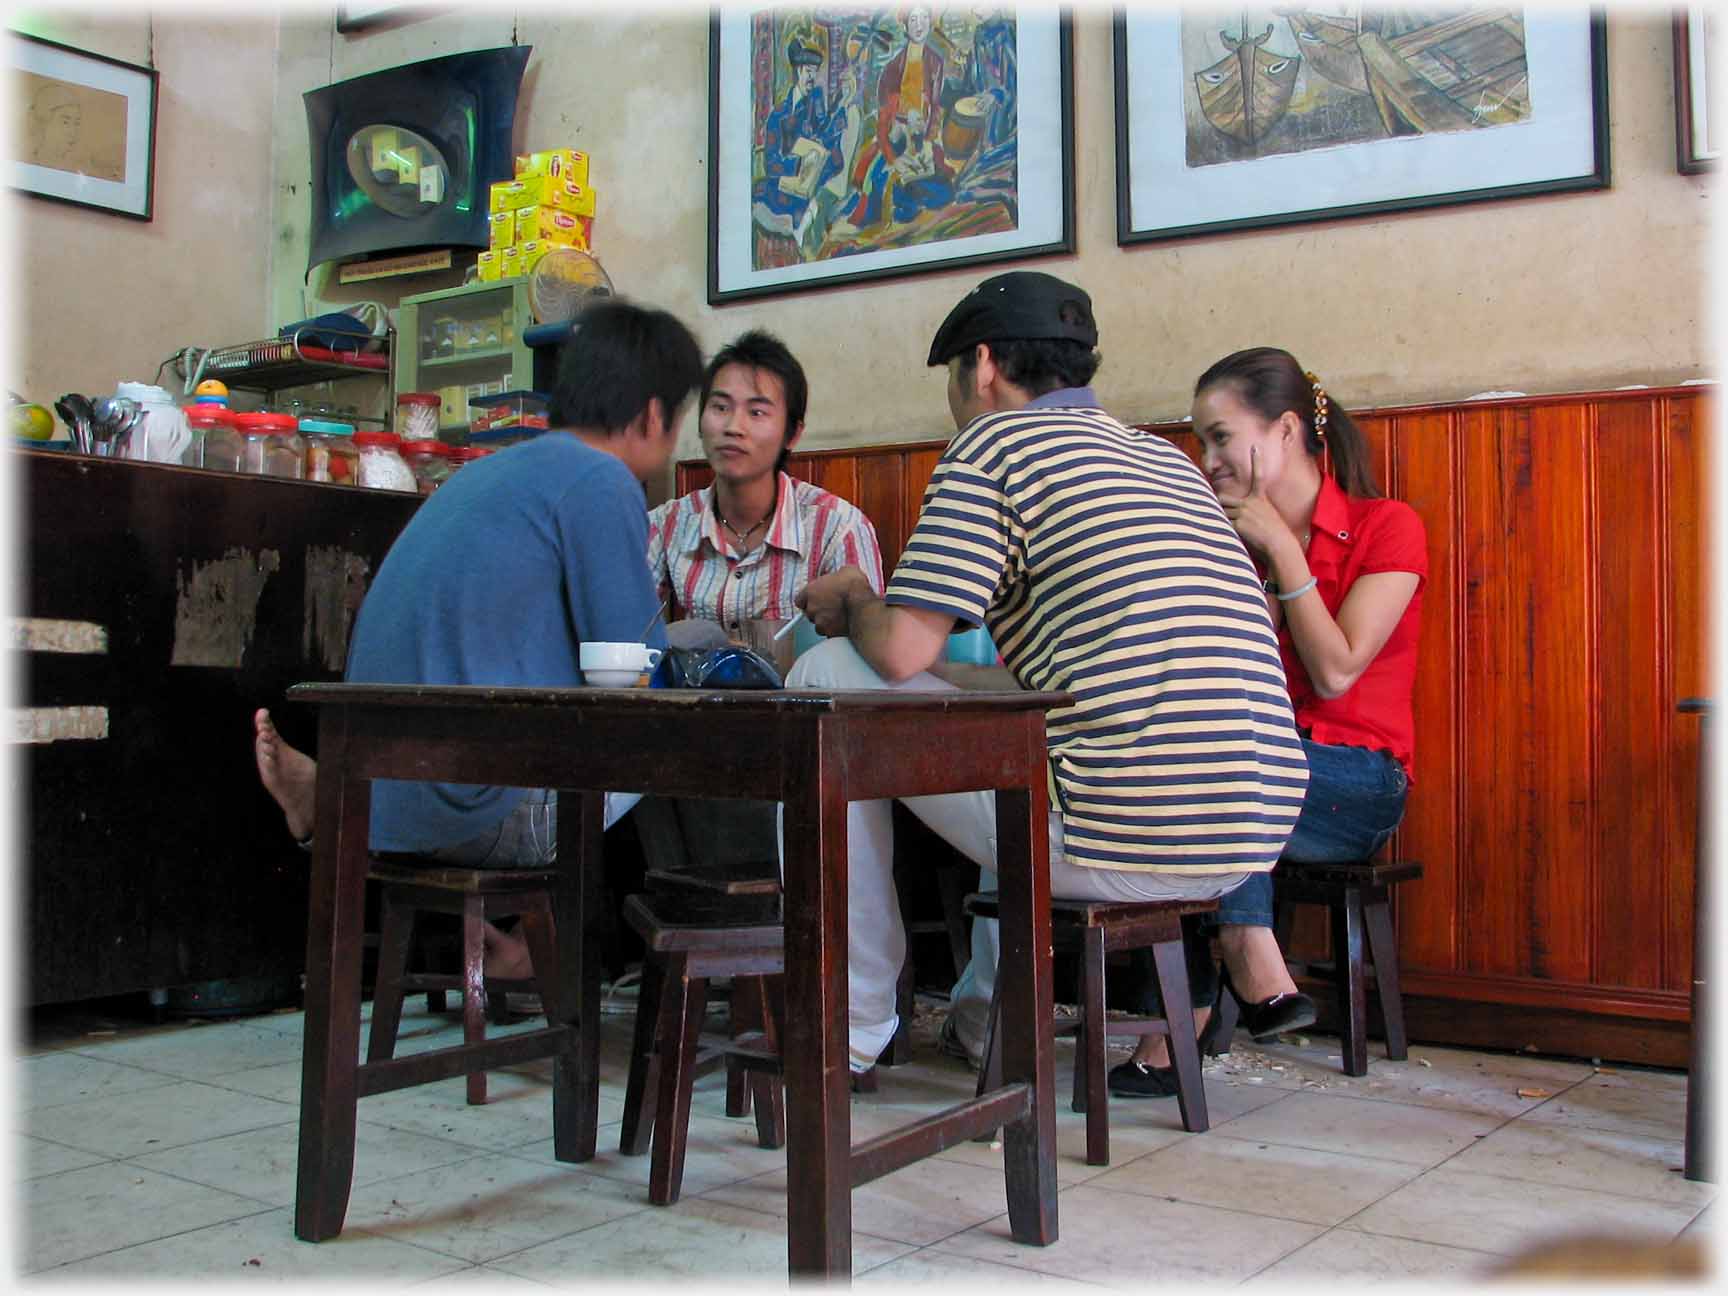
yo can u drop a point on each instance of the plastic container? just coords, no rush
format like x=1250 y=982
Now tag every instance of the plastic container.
x=270 y=445
x=526 y=411
x=381 y=464
x=467 y=454
x=331 y=455
x=429 y=461
x=218 y=439
x=161 y=434
x=417 y=416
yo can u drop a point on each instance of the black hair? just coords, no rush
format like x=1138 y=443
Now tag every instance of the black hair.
x=618 y=358
x=759 y=349
x=1038 y=365
x=1270 y=381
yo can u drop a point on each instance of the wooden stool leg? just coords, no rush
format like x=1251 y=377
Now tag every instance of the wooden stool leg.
x=770 y=1097
x=642 y=1089
x=1351 y=980
x=990 y=1069
x=1383 y=949
x=1172 y=964
x=474 y=987
x=746 y=1012
x=1091 y=1085
x=539 y=929
x=899 y=1050
x=1228 y=1011
x=686 y=1000
x=398 y=931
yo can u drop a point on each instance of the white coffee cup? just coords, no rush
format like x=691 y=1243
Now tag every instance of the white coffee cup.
x=617 y=665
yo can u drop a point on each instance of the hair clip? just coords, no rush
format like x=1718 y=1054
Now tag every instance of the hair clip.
x=1321 y=405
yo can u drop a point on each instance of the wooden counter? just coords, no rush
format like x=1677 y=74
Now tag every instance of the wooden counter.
x=153 y=856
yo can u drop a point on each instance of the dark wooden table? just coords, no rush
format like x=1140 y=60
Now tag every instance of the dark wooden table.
x=813 y=752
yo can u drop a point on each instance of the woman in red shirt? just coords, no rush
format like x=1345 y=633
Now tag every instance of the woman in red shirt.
x=1344 y=571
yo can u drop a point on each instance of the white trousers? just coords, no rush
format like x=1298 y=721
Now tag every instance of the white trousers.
x=967 y=821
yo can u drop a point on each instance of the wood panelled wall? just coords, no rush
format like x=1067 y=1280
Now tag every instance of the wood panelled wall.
x=1555 y=805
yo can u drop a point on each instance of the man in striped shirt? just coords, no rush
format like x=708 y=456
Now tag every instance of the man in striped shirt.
x=741 y=549
x=1099 y=559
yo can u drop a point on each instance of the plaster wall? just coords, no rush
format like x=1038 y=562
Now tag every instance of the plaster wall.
x=99 y=298
x=1547 y=294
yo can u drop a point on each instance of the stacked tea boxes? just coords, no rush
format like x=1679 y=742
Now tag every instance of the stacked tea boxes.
x=549 y=204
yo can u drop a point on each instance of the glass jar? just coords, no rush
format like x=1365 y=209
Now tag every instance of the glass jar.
x=270 y=445
x=213 y=428
x=429 y=461
x=330 y=452
x=467 y=454
x=417 y=416
x=381 y=464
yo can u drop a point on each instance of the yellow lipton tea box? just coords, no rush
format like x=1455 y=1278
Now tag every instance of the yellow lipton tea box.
x=542 y=191
x=561 y=164
x=501 y=229
x=487 y=263
x=510 y=262
x=549 y=225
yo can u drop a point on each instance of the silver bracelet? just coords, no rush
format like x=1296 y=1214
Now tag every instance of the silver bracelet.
x=1299 y=591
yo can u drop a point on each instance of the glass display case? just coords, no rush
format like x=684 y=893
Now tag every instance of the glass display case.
x=463 y=344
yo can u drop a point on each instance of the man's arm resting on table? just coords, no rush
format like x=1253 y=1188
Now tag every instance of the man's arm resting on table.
x=897 y=642
x=968 y=675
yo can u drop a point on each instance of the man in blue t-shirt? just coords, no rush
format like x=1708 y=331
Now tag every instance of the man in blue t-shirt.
x=500 y=577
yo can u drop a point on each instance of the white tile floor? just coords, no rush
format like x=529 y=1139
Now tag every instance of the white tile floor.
x=170 y=1152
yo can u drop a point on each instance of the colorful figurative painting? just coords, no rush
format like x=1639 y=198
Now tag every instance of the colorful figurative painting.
x=1260 y=83
x=878 y=129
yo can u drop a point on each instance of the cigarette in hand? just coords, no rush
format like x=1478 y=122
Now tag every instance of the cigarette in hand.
x=786 y=629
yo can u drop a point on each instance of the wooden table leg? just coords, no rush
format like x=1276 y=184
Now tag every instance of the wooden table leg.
x=1028 y=1052
x=818 y=1081
x=334 y=941
x=580 y=922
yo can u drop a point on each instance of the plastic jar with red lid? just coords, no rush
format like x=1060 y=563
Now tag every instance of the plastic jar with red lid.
x=213 y=426
x=270 y=445
x=382 y=466
x=417 y=415
x=429 y=461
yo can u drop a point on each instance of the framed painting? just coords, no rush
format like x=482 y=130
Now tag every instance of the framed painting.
x=850 y=144
x=1279 y=116
x=1697 y=110
x=86 y=127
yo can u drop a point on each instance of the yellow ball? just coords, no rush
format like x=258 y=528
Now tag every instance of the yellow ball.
x=210 y=387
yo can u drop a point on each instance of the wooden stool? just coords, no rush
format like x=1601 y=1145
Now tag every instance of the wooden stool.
x=683 y=951
x=1358 y=895
x=407 y=890
x=1093 y=929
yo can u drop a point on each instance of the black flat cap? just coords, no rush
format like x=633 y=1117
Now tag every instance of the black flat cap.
x=1022 y=305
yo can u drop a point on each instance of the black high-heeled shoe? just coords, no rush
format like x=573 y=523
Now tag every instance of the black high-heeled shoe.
x=1287 y=1011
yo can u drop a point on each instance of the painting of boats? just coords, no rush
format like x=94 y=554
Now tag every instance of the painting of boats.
x=1293 y=79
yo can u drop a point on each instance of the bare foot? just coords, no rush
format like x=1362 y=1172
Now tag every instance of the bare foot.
x=288 y=774
x=507 y=955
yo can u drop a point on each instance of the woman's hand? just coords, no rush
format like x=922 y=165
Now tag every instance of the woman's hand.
x=1261 y=527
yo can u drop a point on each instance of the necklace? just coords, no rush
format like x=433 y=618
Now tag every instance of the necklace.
x=742 y=537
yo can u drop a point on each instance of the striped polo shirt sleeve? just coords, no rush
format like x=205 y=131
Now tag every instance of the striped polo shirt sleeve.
x=962 y=548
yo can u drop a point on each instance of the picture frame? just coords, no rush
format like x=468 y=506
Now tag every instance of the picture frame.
x=87 y=127
x=810 y=187
x=1391 y=111
x=1695 y=145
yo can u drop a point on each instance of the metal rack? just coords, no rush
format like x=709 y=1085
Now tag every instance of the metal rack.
x=274 y=363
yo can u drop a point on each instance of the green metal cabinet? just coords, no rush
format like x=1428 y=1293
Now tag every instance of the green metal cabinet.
x=464 y=342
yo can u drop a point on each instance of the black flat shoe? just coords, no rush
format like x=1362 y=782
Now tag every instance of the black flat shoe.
x=1280 y=1013
x=1132 y=1080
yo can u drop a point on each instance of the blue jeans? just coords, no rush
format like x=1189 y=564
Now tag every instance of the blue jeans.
x=1355 y=801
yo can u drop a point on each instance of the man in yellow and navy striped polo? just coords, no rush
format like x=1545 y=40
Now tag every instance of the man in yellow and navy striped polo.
x=1100 y=561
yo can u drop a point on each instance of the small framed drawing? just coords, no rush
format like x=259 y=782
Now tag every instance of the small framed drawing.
x=1278 y=116
x=854 y=144
x=1697 y=110
x=86 y=127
